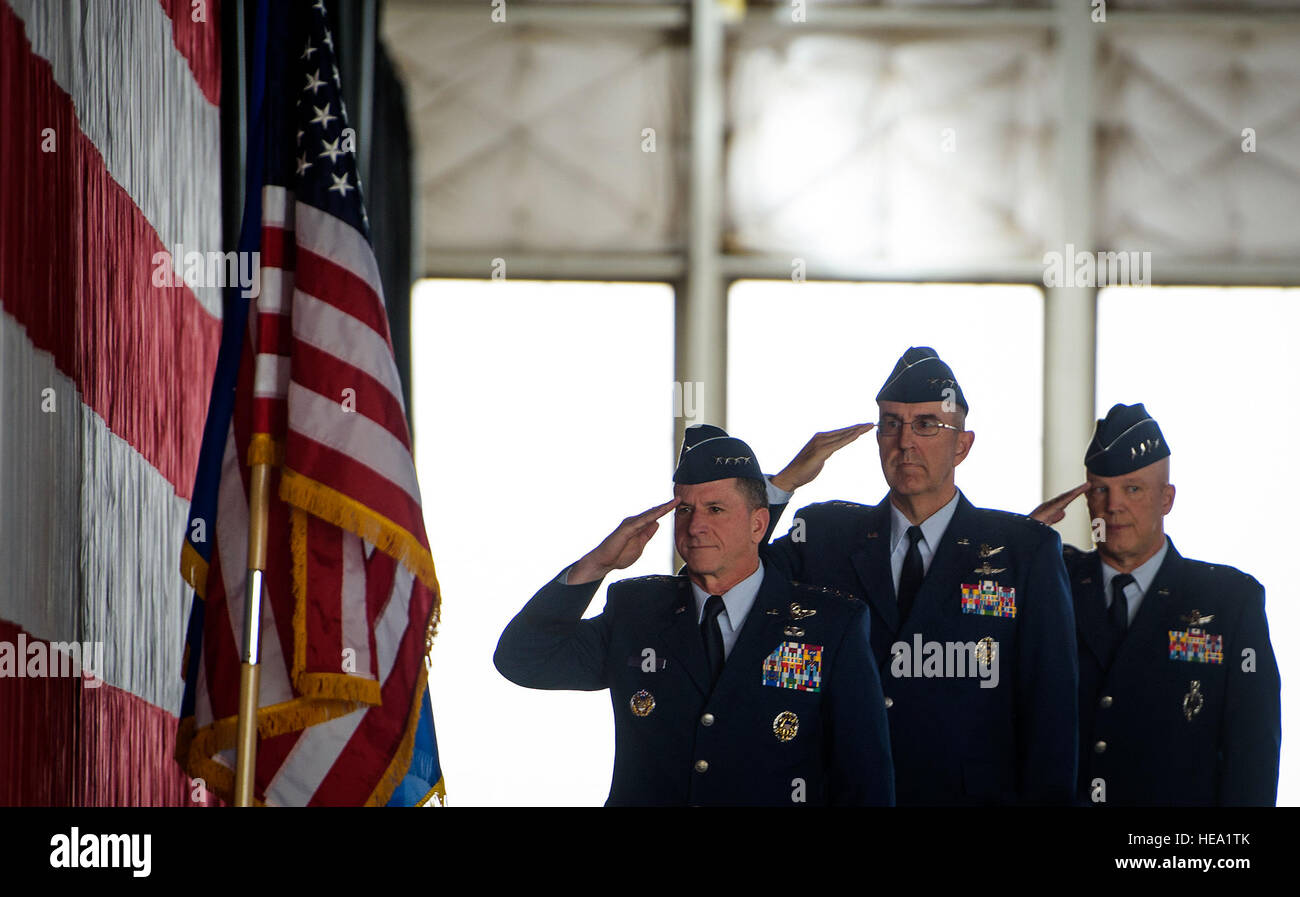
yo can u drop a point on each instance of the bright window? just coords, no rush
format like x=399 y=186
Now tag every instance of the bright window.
x=805 y=357
x=543 y=417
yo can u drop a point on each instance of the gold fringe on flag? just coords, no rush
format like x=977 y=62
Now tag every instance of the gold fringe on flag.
x=393 y=540
x=401 y=762
x=319 y=697
x=263 y=449
x=439 y=791
x=196 y=749
x=338 y=686
x=194 y=570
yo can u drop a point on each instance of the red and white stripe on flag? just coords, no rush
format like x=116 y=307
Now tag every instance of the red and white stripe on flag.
x=350 y=592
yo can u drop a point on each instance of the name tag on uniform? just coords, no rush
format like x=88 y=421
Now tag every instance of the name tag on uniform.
x=794 y=665
x=1195 y=646
x=988 y=599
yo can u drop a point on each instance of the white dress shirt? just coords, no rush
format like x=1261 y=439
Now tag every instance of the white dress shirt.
x=1143 y=576
x=737 y=601
x=932 y=530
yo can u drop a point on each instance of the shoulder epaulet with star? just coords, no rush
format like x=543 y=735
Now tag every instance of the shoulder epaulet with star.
x=1226 y=575
x=840 y=503
x=837 y=504
x=1014 y=518
x=656 y=577
x=824 y=590
x=1071 y=552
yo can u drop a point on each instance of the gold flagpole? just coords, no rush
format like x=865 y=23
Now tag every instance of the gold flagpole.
x=259 y=487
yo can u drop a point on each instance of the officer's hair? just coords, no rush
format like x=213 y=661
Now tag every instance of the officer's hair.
x=754 y=492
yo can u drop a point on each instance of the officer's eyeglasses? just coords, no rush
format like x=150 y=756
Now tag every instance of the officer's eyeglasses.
x=921 y=426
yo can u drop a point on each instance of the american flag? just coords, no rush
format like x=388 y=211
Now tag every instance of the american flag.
x=307 y=380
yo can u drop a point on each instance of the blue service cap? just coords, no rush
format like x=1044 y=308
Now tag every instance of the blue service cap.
x=697 y=433
x=709 y=454
x=1126 y=439
x=921 y=376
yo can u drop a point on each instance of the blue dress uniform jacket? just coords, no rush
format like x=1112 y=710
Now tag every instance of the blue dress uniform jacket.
x=955 y=742
x=742 y=743
x=1161 y=730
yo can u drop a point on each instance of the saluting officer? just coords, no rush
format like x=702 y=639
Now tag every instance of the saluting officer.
x=946 y=580
x=1179 y=692
x=730 y=684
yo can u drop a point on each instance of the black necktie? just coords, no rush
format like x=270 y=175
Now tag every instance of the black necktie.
x=909 y=581
x=1119 y=605
x=712 y=635
x=1117 y=616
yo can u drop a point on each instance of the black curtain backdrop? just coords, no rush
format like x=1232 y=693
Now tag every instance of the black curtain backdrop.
x=390 y=208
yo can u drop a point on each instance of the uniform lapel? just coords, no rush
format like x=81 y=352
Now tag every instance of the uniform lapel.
x=1152 y=615
x=871 y=562
x=955 y=558
x=682 y=637
x=760 y=635
x=1090 y=608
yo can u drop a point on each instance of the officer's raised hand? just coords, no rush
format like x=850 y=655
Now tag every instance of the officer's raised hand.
x=622 y=547
x=1053 y=510
x=812 y=457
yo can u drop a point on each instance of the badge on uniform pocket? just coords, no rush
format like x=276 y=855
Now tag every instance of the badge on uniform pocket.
x=786 y=726
x=794 y=665
x=1195 y=646
x=988 y=599
x=642 y=703
x=1194 y=700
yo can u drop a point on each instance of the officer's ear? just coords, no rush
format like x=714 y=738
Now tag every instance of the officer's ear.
x=965 y=439
x=1167 y=498
x=759 y=518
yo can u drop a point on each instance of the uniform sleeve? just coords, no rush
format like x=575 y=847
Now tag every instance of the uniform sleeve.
x=1047 y=683
x=860 y=771
x=549 y=645
x=1252 y=720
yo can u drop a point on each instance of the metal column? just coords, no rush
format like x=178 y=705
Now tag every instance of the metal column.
x=1070 y=319
x=701 y=358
